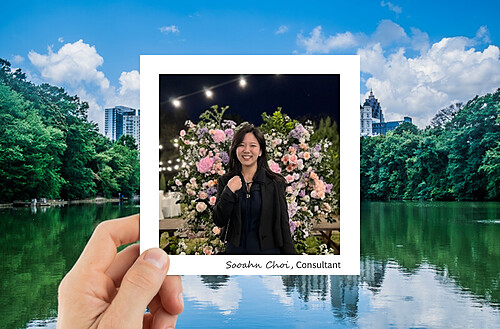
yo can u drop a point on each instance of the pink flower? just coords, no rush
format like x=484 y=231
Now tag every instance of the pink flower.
x=212 y=200
x=289 y=178
x=192 y=180
x=285 y=159
x=205 y=165
x=275 y=168
x=218 y=135
x=216 y=230
x=307 y=155
x=202 y=195
x=293 y=158
x=201 y=206
x=178 y=182
x=183 y=133
x=207 y=250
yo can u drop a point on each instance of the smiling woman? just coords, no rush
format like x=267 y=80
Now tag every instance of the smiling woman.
x=253 y=215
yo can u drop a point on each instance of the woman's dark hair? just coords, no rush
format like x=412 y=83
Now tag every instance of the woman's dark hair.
x=234 y=163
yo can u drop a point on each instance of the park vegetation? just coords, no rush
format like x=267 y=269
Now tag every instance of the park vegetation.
x=457 y=157
x=49 y=148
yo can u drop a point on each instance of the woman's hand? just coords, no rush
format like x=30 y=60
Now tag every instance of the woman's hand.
x=109 y=290
x=235 y=183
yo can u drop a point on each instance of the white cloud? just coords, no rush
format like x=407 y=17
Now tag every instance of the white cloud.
x=17 y=59
x=318 y=43
x=419 y=40
x=129 y=81
x=483 y=35
x=388 y=33
x=420 y=86
x=282 y=29
x=169 y=29
x=72 y=64
x=75 y=67
x=392 y=7
x=60 y=39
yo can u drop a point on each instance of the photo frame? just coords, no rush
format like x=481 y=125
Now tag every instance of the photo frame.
x=347 y=69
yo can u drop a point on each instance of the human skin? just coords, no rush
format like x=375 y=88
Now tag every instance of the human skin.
x=247 y=152
x=106 y=289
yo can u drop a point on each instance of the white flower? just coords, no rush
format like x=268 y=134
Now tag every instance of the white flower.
x=201 y=206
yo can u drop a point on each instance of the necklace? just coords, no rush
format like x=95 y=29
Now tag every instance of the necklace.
x=248 y=184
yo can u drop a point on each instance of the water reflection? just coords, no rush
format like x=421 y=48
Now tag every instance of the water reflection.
x=453 y=237
x=38 y=248
x=422 y=265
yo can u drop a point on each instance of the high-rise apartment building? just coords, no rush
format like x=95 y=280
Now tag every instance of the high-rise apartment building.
x=122 y=120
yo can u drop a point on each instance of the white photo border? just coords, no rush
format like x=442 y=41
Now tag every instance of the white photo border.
x=348 y=67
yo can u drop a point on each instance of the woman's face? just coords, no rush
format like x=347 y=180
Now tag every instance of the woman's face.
x=248 y=151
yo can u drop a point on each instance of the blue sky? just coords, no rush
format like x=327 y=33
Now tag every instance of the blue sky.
x=417 y=56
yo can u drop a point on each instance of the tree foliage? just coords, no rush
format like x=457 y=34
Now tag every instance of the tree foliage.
x=48 y=148
x=456 y=158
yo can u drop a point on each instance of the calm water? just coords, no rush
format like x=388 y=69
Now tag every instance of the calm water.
x=428 y=265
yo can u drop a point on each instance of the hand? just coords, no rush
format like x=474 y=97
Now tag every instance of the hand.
x=109 y=290
x=234 y=183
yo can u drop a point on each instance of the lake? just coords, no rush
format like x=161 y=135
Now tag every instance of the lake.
x=423 y=264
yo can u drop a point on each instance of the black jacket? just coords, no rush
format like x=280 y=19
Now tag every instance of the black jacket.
x=274 y=229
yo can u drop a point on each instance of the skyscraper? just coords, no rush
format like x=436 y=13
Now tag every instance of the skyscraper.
x=122 y=120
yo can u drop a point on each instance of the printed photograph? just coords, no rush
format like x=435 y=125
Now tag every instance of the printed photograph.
x=250 y=164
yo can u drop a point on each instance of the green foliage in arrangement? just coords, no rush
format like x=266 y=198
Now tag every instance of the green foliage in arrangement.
x=456 y=158
x=48 y=148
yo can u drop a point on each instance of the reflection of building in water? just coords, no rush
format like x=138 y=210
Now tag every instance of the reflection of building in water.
x=344 y=294
x=343 y=291
x=307 y=285
x=215 y=281
x=372 y=273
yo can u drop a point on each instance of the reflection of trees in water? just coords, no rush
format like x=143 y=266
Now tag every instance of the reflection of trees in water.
x=215 y=281
x=448 y=236
x=38 y=248
x=341 y=290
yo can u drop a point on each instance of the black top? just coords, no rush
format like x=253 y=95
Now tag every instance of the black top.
x=273 y=224
x=250 y=203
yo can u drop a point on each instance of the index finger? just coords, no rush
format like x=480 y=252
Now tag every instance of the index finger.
x=100 y=251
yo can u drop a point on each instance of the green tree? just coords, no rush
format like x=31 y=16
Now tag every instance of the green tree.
x=29 y=151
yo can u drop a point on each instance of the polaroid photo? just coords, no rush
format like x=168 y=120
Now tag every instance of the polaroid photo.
x=250 y=163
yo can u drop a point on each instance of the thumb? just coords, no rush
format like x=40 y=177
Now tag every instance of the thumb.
x=138 y=287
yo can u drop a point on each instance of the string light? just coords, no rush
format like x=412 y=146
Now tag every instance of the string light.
x=176 y=102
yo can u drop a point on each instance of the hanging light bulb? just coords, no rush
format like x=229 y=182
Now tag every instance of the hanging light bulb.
x=176 y=103
x=209 y=93
x=243 y=83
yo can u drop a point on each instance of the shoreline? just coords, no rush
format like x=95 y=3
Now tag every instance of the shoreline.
x=51 y=203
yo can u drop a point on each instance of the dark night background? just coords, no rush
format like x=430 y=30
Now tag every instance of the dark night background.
x=302 y=97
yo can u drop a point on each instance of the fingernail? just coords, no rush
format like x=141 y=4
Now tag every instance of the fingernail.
x=181 y=299
x=157 y=257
